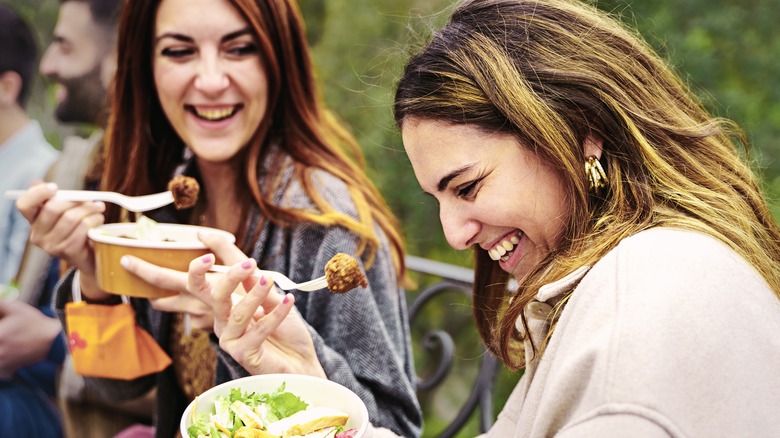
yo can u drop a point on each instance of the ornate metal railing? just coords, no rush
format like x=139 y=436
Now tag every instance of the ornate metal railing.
x=440 y=345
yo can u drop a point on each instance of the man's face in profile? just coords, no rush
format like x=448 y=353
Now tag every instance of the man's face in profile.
x=74 y=61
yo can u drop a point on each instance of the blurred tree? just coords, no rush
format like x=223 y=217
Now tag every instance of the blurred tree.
x=730 y=55
x=314 y=15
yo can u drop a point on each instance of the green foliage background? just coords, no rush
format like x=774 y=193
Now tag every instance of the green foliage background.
x=727 y=50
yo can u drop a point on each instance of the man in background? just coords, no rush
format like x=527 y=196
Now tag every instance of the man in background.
x=26 y=391
x=24 y=152
x=81 y=62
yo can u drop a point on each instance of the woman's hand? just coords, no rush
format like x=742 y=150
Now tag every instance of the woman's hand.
x=60 y=228
x=194 y=296
x=197 y=306
x=261 y=331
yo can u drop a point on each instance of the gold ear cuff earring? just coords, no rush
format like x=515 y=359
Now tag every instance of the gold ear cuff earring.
x=597 y=179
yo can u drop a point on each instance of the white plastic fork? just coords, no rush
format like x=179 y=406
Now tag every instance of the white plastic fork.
x=132 y=203
x=282 y=281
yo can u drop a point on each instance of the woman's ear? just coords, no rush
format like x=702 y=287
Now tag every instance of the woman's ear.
x=593 y=145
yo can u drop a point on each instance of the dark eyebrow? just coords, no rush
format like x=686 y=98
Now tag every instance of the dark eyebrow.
x=186 y=39
x=176 y=36
x=450 y=176
x=236 y=34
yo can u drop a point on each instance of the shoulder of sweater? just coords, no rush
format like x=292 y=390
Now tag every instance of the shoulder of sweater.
x=665 y=267
x=677 y=252
x=332 y=189
x=667 y=294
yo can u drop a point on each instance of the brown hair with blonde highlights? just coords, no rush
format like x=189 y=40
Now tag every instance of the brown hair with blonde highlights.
x=553 y=72
x=143 y=150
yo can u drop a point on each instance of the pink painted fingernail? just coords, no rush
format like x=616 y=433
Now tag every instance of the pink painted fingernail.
x=246 y=264
x=262 y=281
x=124 y=261
x=286 y=299
x=206 y=258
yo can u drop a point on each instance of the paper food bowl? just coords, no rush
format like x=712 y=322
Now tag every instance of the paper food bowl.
x=175 y=249
x=312 y=390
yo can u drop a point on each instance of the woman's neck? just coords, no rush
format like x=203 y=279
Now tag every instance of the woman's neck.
x=222 y=209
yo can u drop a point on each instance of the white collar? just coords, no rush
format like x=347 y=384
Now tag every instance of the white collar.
x=537 y=311
x=559 y=287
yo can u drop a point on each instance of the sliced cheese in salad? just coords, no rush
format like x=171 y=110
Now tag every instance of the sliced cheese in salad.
x=278 y=414
x=307 y=421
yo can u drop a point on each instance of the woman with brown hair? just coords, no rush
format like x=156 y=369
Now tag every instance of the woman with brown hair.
x=224 y=91
x=571 y=158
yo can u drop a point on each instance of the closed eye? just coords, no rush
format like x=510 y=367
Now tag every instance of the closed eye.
x=177 y=53
x=243 y=50
x=469 y=190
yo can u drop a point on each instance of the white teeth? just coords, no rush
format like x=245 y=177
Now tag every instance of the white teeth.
x=502 y=249
x=214 y=114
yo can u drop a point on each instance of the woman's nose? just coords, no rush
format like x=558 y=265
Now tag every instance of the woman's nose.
x=211 y=77
x=459 y=229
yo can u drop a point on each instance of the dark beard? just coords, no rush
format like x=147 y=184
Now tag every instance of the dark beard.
x=85 y=100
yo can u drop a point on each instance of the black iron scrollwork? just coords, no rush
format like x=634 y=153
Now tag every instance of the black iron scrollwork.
x=440 y=344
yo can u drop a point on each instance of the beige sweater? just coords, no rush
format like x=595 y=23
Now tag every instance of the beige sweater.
x=671 y=334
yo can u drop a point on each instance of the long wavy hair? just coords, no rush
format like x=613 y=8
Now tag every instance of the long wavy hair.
x=143 y=149
x=552 y=72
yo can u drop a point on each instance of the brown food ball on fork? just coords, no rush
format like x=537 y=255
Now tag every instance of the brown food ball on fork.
x=185 y=190
x=342 y=272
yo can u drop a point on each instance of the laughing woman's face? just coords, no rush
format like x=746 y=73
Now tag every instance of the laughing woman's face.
x=209 y=76
x=492 y=191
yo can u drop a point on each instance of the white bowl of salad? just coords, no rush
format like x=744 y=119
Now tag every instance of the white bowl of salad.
x=276 y=406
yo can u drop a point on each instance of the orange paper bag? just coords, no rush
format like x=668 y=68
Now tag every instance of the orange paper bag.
x=106 y=342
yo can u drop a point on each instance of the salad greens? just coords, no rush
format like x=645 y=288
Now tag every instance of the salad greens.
x=147 y=229
x=224 y=420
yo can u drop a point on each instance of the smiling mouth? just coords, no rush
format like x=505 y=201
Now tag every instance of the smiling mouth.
x=214 y=114
x=503 y=249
